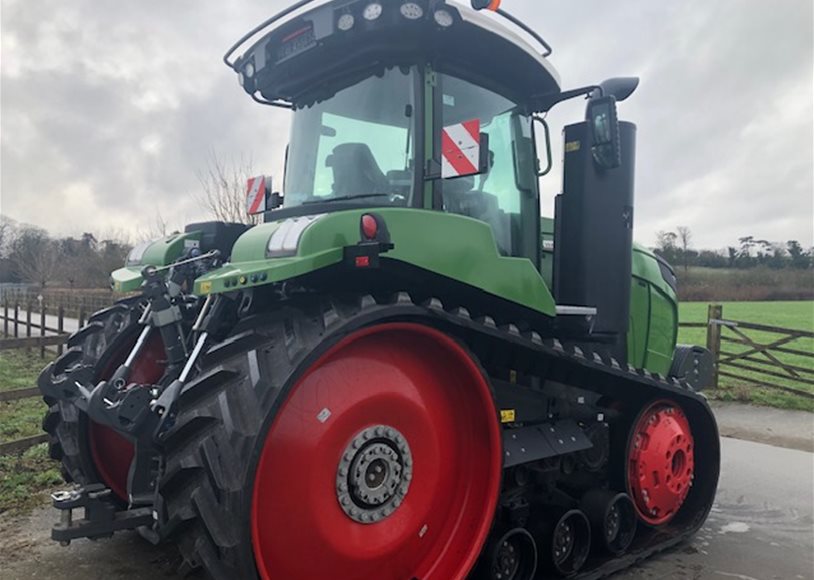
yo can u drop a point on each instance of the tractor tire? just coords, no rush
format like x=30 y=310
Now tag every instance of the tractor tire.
x=91 y=453
x=267 y=464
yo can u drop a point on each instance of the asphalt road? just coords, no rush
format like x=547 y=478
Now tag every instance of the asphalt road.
x=761 y=528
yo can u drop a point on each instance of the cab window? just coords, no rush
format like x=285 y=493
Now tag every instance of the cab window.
x=503 y=195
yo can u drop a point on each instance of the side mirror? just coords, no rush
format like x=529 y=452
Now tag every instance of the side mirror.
x=603 y=124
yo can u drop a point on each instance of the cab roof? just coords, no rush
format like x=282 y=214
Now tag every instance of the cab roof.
x=312 y=55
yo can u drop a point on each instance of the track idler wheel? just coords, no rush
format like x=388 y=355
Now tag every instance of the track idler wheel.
x=613 y=520
x=511 y=555
x=565 y=541
x=661 y=462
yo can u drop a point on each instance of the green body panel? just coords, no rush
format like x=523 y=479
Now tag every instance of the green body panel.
x=161 y=252
x=656 y=304
x=653 y=328
x=451 y=245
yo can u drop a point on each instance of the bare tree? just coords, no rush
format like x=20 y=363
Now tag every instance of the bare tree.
x=684 y=241
x=223 y=189
x=157 y=229
x=35 y=256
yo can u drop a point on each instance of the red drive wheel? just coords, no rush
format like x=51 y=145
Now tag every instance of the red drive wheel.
x=660 y=462
x=112 y=452
x=383 y=462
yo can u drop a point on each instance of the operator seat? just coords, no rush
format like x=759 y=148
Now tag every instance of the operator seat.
x=355 y=171
x=460 y=197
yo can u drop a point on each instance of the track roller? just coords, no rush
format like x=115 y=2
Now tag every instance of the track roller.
x=613 y=520
x=565 y=541
x=511 y=555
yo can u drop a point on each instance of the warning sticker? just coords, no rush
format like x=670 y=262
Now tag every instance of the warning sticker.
x=460 y=149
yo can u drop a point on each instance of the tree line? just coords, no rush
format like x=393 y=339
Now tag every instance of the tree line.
x=30 y=255
x=750 y=252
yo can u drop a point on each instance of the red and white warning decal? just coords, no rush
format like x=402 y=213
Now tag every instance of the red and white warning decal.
x=460 y=149
x=256 y=197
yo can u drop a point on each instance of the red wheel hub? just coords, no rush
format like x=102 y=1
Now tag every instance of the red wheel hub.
x=383 y=462
x=112 y=452
x=660 y=462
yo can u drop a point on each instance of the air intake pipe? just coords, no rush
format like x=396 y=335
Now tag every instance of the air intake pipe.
x=594 y=224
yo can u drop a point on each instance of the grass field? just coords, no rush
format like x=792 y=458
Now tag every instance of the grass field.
x=792 y=315
x=23 y=477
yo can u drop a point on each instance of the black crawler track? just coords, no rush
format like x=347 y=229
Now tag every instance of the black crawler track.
x=212 y=450
x=91 y=346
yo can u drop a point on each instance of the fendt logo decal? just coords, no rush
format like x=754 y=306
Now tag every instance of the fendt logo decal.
x=460 y=149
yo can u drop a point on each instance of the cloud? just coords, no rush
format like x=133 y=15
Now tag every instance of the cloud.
x=110 y=109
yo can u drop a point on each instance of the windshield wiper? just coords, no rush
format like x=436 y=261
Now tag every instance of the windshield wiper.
x=346 y=198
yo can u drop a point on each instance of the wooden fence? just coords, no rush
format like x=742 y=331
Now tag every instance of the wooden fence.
x=25 y=325
x=759 y=360
x=765 y=356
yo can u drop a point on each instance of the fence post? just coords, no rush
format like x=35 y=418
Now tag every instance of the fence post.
x=82 y=313
x=16 y=319
x=715 y=312
x=5 y=316
x=28 y=325
x=43 y=308
x=60 y=326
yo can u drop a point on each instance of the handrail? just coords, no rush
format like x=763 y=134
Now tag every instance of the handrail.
x=523 y=26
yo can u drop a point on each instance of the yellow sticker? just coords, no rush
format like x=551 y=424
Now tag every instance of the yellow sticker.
x=572 y=146
x=507 y=415
x=206 y=287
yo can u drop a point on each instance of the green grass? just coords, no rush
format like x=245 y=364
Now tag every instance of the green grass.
x=21 y=418
x=792 y=315
x=23 y=476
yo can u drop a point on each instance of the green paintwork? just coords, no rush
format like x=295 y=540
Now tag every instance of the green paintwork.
x=161 y=252
x=656 y=304
x=454 y=246
x=653 y=326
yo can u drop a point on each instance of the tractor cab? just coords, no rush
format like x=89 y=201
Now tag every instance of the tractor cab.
x=406 y=104
x=432 y=105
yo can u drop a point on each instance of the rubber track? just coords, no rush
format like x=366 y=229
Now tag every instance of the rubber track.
x=211 y=452
x=63 y=422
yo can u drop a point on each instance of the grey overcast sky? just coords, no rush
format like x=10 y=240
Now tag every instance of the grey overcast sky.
x=110 y=107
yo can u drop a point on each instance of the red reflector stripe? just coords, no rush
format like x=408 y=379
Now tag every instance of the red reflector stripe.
x=362 y=261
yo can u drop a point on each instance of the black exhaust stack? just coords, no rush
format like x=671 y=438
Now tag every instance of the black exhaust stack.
x=594 y=224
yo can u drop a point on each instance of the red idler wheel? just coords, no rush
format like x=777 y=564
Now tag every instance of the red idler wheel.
x=384 y=462
x=660 y=462
x=112 y=452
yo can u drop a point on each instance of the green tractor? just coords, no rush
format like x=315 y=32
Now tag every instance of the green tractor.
x=403 y=372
